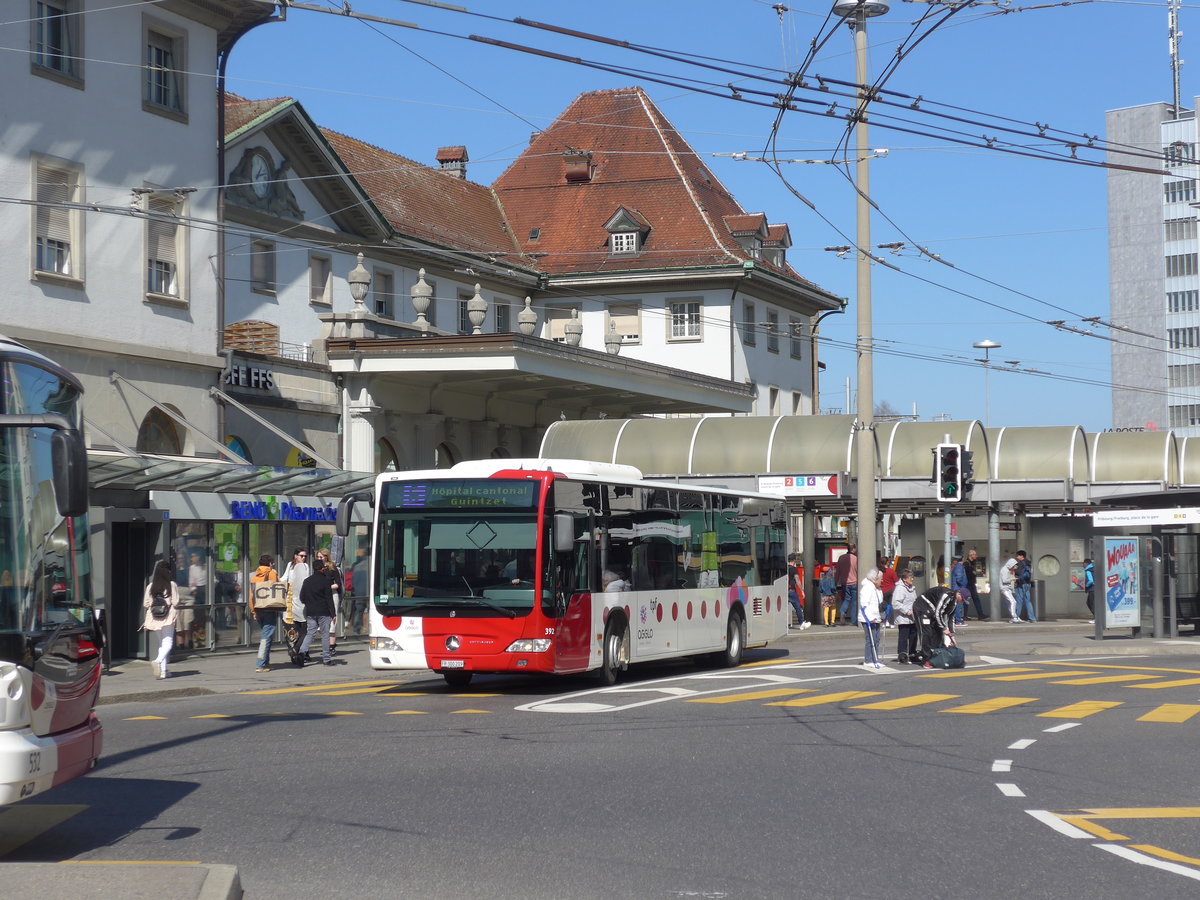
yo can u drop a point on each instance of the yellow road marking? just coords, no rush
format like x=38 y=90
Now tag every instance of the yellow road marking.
x=1036 y=676
x=752 y=695
x=1143 y=812
x=457 y=712
x=1080 y=710
x=826 y=698
x=906 y=702
x=1086 y=824
x=145 y=719
x=317 y=687
x=969 y=673
x=362 y=690
x=1182 y=682
x=1171 y=712
x=987 y=706
x=211 y=716
x=342 y=712
x=1128 y=668
x=769 y=662
x=1103 y=679
x=1165 y=854
x=21 y=824
x=406 y=693
x=407 y=712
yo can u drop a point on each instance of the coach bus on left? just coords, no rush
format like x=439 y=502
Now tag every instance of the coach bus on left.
x=50 y=639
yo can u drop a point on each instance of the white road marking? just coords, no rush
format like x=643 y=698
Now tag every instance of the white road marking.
x=1010 y=790
x=995 y=661
x=1022 y=744
x=1063 y=727
x=1002 y=765
x=1145 y=860
x=1048 y=818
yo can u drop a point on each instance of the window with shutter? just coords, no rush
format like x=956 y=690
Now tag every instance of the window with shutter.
x=162 y=246
x=57 y=187
x=626 y=320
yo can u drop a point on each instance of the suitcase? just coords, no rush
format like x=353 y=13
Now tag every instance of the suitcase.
x=947 y=658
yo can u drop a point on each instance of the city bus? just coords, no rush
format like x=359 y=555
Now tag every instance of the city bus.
x=567 y=566
x=50 y=641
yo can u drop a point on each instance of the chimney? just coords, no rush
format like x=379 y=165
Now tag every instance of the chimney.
x=578 y=165
x=453 y=161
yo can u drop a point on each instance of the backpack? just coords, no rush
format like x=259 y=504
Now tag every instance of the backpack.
x=160 y=605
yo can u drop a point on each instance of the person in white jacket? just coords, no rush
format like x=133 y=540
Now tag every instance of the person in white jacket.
x=163 y=586
x=870 y=616
x=1008 y=580
x=902 y=608
x=295 y=622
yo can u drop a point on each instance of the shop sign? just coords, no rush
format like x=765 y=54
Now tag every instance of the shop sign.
x=269 y=509
x=250 y=377
x=799 y=485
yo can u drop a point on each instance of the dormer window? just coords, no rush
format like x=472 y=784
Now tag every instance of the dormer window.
x=627 y=232
x=624 y=242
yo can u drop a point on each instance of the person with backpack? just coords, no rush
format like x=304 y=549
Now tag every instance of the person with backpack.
x=1023 y=578
x=161 y=602
x=1089 y=585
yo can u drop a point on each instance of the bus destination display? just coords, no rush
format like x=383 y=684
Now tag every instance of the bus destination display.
x=460 y=494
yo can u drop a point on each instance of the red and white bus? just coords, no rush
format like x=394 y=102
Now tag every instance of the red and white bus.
x=49 y=637
x=567 y=566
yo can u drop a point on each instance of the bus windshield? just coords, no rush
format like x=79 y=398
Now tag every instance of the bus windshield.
x=475 y=564
x=44 y=576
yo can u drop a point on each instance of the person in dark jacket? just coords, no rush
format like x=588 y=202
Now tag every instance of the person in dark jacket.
x=934 y=612
x=319 y=610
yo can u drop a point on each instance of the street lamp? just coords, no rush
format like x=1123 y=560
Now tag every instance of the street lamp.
x=987 y=347
x=856 y=13
x=360 y=283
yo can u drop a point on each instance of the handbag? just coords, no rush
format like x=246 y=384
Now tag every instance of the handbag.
x=270 y=595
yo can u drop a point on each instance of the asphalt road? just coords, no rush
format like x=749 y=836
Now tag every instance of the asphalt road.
x=786 y=778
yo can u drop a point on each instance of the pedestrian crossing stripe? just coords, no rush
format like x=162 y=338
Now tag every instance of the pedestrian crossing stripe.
x=1129 y=668
x=213 y=716
x=970 y=673
x=1182 y=682
x=1165 y=854
x=362 y=690
x=1035 y=676
x=342 y=712
x=459 y=712
x=145 y=719
x=317 y=687
x=1080 y=710
x=752 y=695
x=993 y=705
x=906 y=702
x=408 y=712
x=1171 y=713
x=826 y=698
x=1104 y=679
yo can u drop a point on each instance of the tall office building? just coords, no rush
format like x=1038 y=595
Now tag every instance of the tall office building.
x=1153 y=268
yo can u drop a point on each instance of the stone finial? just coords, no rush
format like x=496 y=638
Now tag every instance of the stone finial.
x=477 y=311
x=573 y=328
x=527 y=318
x=422 y=295
x=612 y=340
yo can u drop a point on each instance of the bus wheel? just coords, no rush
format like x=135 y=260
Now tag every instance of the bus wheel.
x=616 y=650
x=735 y=643
x=456 y=678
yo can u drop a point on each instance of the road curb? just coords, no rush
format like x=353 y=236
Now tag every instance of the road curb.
x=130 y=881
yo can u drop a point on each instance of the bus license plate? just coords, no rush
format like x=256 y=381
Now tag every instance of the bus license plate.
x=453 y=663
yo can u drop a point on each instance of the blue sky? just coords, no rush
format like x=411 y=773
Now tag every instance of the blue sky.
x=1024 y=240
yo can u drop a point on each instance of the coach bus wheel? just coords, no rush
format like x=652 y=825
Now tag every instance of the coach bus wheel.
x=457 y=678
x=616 y=650
x=735 y=643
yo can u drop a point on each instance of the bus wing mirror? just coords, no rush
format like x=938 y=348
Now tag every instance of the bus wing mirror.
x=68 y=456
x=564 y=533
x=346 y=507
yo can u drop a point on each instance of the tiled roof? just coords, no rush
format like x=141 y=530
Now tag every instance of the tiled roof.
x=451 y=154
x=638 y=161
x=752 y=223
x=240 y=112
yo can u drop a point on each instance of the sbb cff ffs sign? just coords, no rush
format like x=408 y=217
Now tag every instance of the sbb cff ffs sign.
x=953 y=472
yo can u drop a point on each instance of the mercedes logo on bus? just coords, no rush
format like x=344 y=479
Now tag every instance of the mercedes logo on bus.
x=453 y=643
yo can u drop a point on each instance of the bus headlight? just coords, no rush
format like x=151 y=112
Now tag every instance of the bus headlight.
x=529 y=645
x=383 y=643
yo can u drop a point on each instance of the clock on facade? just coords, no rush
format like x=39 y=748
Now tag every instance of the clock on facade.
x=260 y=175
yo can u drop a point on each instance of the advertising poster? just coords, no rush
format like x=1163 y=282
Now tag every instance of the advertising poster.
x=1121 y=585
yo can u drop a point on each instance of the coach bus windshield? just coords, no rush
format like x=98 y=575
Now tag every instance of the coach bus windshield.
x=462 y=547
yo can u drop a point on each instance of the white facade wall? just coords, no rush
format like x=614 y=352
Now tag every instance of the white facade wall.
x=95 y=125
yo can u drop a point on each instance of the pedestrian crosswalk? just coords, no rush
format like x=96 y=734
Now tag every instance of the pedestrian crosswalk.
x=792 y=688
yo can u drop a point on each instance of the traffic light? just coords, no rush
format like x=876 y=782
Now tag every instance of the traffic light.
x=949 y=473
x=968 y=474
